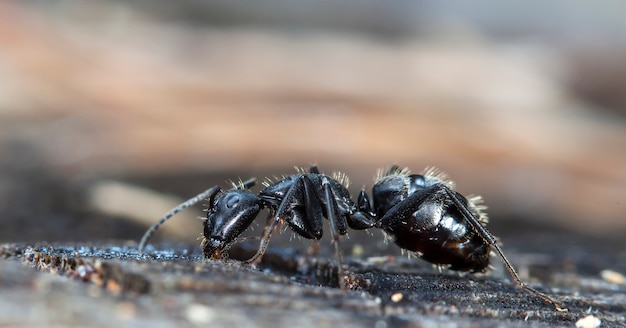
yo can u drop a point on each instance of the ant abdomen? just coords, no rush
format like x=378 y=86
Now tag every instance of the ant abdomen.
x=433 y=228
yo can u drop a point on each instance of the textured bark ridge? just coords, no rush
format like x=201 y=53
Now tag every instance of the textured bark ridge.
x=104 y=284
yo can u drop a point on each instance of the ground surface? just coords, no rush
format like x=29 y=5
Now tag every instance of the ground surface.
x=110 y=284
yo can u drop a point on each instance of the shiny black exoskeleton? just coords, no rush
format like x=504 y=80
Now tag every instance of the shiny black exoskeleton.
x=420 y=213
x=423 y=214
x=301 y=200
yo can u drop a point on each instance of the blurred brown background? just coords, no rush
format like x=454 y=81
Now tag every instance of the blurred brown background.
x=107 y=105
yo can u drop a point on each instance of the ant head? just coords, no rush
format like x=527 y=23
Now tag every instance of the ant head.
x=229 y=215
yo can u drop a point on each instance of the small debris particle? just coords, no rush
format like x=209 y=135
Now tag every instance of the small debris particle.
x=94 y=291
x=125 y=310
x=588 y=322
x=199 y=314
x=380 y=324
x=97 y=280
x=114 y=287
x=397 y=297
x=613 y=277
x=380 y=260
x=358 y=250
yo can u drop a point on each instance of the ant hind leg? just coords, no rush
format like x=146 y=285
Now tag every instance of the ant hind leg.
x=491 y=240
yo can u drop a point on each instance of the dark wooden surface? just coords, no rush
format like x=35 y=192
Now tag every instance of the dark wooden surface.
x=109 y=284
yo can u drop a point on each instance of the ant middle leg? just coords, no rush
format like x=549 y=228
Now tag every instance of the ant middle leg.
x=338 y=226
x=300 y=209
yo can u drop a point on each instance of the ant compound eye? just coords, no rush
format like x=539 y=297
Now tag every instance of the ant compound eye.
x=232 y=201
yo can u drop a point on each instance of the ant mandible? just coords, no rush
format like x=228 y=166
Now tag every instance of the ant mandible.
x=421 y=213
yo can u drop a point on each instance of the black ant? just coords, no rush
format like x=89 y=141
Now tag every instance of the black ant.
x=420 y=213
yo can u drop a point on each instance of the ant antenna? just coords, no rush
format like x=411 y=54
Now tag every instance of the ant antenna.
x=246 y=184
x=209 y=193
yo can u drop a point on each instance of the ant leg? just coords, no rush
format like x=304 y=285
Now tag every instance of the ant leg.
x=315 y=248
x=265 y=240
x=209 y=193
x=301 y=209
x=335 y=229
x=415 y=200
x=314 y=169
x=406 y=207
x=491 y=240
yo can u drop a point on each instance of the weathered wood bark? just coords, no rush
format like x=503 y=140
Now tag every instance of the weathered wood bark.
x=111 y=285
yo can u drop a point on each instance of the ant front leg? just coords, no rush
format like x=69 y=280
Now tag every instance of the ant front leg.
x=265 y=240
